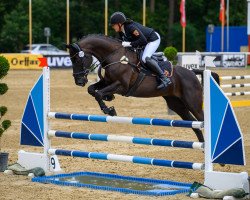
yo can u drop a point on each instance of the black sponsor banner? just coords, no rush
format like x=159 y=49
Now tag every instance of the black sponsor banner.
x=217 y=60
x=59 y=61
x=234 y=60
x=222 y=60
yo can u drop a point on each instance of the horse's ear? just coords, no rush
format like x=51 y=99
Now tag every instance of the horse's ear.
x=76 y=47
x=67 y=46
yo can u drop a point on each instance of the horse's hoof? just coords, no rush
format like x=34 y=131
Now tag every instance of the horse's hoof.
x=112 y=111
x=109 y=97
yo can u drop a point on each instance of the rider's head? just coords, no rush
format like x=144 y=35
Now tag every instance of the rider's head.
x=117 y=19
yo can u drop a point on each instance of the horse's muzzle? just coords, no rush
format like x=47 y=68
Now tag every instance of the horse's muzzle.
x=81 y=81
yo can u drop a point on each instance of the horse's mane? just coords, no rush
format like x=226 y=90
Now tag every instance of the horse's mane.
x=101 y=36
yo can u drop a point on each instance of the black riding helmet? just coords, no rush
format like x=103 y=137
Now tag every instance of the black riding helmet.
x=117 y=17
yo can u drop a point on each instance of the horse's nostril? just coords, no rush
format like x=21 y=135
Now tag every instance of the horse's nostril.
x=81 y=81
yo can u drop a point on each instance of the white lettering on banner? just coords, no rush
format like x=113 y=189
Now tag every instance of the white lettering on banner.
x=233 y=60
x=51 y=62
x=67 y=62
x=59 y=61
x=233 y=64
x=191 y=66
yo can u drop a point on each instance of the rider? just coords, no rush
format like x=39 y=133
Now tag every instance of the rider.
x=136 y=35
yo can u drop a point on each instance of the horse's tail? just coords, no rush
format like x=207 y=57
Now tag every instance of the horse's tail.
x=214 y=75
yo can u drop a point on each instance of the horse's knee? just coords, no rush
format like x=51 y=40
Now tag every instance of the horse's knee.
x=98 y=95
x=91 y=90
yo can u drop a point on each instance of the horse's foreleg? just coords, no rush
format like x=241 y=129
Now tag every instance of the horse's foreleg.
x=106 y=110
x=98 y=86
x=109 y=90
x=92 y=89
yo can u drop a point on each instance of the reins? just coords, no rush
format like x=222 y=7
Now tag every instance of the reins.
x=112 y=53
x=123 y=60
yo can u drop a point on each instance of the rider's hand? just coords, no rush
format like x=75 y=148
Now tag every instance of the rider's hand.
x=126 y=44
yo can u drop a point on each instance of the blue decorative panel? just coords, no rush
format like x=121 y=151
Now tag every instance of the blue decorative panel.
x=226 y=137
x=232 y=155
x=37 y=97
x=229 y=133
x=218 y=107
x=32 y=121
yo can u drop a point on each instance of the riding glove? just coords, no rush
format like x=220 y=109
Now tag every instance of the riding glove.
x=126 y=44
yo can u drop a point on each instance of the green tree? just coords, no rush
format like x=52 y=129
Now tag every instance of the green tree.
x=87 y=17
x=4 y=68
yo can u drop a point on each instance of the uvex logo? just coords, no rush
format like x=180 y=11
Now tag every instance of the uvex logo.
x=59 y=61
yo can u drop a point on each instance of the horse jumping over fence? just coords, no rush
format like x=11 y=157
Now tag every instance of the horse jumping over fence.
x=184 y=96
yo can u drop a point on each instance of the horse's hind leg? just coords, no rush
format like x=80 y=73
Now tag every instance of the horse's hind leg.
x=193 y=100
x=179 y=107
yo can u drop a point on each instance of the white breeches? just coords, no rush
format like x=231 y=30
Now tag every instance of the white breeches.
x=151 y=48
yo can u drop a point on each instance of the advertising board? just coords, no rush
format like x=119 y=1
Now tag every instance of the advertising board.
x=23 y=61
x=234 y=60
x=222 y=59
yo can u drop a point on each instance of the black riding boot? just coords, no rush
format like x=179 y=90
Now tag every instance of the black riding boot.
x=153 y=66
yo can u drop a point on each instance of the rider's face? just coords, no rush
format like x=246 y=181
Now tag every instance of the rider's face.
x=116 y=27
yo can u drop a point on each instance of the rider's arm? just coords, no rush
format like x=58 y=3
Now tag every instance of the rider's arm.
x=121 y=36
x=140 y=39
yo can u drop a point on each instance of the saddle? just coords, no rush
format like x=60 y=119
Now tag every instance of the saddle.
x=165 y=65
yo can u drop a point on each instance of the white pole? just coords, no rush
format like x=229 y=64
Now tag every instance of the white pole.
x=207 y=121
x=46 y=108
x=51 y=164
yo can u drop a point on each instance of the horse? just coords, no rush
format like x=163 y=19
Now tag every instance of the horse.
x=184 y=96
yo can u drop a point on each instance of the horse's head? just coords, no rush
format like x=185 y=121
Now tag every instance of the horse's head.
x=81 y=62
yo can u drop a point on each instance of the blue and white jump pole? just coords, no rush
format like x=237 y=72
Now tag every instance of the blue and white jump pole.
x=223 y=137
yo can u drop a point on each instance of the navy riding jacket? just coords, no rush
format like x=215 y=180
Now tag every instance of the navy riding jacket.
x=145 y=35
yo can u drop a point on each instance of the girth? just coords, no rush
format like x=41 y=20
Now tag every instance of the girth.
x=136 y=84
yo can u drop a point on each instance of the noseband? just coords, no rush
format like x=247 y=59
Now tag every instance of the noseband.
x=80 y=53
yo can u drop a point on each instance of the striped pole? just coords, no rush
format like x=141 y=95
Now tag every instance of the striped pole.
x=128 y=139
x=126 y=158
x=235 y=85
x=128 y=120
x=237 y=93
x=234 y=77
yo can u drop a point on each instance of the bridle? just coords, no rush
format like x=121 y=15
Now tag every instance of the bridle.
x=80 y=53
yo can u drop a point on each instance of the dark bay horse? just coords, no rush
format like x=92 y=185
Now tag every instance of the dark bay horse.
x=184 y=96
